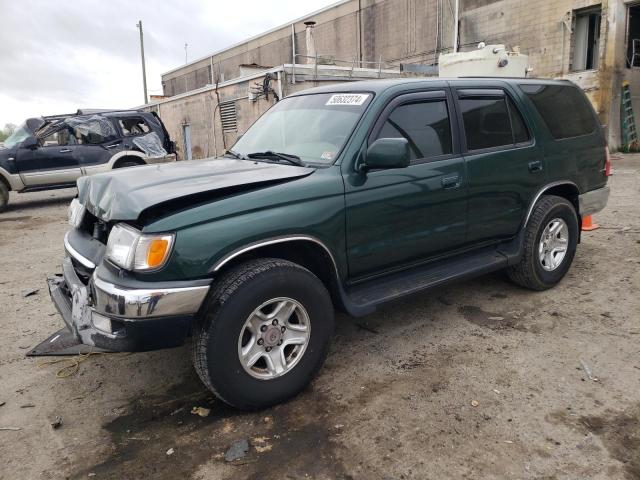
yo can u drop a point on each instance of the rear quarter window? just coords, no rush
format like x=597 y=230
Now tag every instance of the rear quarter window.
x=564 y=109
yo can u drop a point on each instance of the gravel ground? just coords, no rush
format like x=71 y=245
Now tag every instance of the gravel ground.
x=475 y=380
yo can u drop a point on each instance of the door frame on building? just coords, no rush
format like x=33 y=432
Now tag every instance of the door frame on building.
x=186 y=139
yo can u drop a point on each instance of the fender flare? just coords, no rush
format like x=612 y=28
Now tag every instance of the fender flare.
x=14 y=181
x=126 y=153
x=542 y=191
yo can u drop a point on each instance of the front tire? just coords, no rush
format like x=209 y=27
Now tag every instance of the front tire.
x=550 y=241
x=264 y=333
x=4 y=196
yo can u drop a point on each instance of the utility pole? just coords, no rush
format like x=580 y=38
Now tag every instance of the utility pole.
x=185 y=53
x=144 y=69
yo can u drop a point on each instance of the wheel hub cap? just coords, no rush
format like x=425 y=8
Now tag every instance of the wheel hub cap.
x=274 y=338
x=553 y=244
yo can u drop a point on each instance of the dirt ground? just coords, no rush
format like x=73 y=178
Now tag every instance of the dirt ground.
x=474 y=380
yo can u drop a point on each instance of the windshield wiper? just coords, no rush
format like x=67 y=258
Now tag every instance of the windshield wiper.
x=237 y=155
x=294 y=159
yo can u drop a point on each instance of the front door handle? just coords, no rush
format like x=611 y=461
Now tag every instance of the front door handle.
x=451 y=182
x=65 y=150
x=535 y=166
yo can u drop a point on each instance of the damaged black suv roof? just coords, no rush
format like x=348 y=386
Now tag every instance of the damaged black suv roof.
x=54 y=151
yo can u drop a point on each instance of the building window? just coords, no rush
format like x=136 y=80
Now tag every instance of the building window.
x=586 y=39
x=633 y=36
x=228 y=116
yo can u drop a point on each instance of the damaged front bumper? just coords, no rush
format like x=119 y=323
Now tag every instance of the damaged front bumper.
x=121 y=319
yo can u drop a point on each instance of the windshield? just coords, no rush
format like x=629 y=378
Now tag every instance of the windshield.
x=312 y=127
x=17 y=136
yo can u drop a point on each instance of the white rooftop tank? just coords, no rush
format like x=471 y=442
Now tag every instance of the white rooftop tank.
x=486 y=61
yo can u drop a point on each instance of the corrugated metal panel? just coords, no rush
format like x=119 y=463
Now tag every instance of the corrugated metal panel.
x=228 y=116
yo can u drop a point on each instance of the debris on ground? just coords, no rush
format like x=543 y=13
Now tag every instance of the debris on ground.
x=72 y=364
x=588 y=371
x=10 y=429
x=29 y=292
x=261 y=444
x=57 y=423
x=2 y=403
x=27 y=405
x=366 y=328
x=170 y=451
x=475 y=403
x=177 y=411
x=200 y=411
x=237 y=450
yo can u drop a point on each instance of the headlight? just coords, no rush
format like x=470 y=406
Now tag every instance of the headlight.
x=76 y=213
x=130 y=249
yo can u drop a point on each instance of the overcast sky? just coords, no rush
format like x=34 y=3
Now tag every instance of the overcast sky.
x=58 y=56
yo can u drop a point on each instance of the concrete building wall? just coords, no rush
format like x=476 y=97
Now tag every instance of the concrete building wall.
x=200 y=109
x=415 y=31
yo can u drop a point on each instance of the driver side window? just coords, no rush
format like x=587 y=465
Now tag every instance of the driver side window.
x=425 y=125
x=59 y=138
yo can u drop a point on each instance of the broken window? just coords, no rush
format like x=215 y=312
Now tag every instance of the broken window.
x=586 y=39
x=62 y=137
x=133 y=126
x=633 y=36
x=91 y=130
x=150 y=144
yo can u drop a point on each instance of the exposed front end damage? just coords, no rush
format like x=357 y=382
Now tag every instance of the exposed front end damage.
x=121 y=318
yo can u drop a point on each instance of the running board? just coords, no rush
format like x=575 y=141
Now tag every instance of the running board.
x=363 y=298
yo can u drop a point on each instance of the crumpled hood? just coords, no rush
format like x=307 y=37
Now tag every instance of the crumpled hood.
x=124 y=194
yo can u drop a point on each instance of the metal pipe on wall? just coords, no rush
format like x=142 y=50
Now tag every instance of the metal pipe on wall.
x=293 y=53
x=456 y=20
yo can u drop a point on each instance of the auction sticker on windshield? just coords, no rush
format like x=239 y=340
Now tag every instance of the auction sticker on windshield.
x=348 y=99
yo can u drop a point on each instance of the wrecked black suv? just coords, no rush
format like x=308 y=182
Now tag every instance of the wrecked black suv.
x=53 y=152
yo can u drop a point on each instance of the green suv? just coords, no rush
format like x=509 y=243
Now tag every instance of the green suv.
x=340 y=197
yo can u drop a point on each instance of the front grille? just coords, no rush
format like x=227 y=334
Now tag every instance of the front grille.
x=84 y=273
x=98 y=229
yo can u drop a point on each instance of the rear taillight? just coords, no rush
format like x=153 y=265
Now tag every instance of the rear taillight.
x=607 y=162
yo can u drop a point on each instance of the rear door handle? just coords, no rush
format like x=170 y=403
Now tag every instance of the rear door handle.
x=535 y=166
x=65 y=150
x=451 y=182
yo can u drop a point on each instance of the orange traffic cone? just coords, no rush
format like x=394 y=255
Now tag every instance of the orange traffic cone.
x=587 y=224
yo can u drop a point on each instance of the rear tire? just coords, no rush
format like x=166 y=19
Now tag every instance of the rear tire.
x=271 y=310
x=4 y=196
x=550 y=241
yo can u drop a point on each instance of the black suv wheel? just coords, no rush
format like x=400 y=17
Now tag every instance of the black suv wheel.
x=264 y=334
x=4 y=196
x=550 y=241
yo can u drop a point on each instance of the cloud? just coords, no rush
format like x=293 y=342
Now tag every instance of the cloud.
x=58 y=56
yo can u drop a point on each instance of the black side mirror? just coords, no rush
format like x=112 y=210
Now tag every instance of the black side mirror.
x=388 y=153
x=30 y=142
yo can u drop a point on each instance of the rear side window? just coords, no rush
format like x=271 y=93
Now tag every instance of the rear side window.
x=133 y=126
x=563 y=108
x=426 y=126
x=491 y=122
